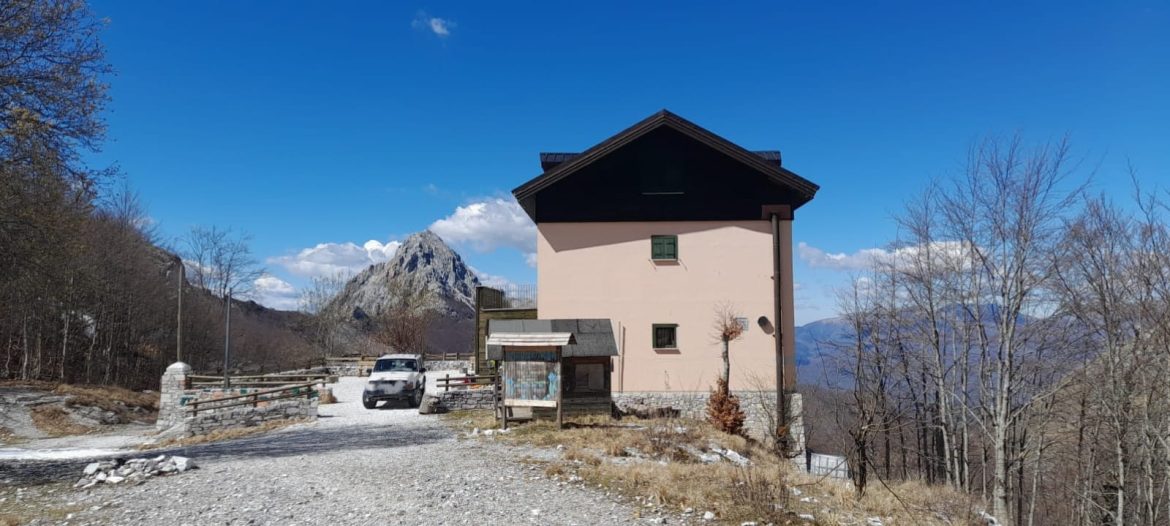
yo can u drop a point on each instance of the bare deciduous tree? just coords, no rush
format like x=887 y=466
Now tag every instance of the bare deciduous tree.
x=407 y=317
x=325 y=323
x=220 y=261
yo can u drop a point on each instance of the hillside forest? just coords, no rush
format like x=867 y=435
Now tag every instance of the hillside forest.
x=1014 y=343
x=87 y=294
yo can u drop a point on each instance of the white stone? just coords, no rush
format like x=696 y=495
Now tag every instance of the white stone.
x=807 y=516
x=114 y=479
x=735 y=457
x=92 y=468
x=708 y=515
x=179 y=367
x=182 y=463
x=873 y=521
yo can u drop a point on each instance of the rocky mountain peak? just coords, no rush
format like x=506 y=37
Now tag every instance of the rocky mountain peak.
x=423 y=261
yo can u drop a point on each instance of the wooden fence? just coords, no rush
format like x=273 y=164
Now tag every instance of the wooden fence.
x=266 y=380
x=449 y=382
x=252 y=399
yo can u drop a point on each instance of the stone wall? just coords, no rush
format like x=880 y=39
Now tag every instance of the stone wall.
x=466 y=399
x=175 y=397
x=247 y=416
x=758 y=407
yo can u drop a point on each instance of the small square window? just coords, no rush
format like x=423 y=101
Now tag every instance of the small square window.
x=743 y=323
x=664 y=247
x=665 y=336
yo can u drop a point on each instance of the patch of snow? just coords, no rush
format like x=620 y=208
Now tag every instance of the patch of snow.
x=56 y=454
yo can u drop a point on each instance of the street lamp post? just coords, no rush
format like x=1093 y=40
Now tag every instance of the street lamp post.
x=227 y=335
x=179 y=316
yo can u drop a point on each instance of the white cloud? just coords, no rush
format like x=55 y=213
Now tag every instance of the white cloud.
x=866 y=258
x=330 y=259
x=439 y=26
x=489 y=224
x=275 y=293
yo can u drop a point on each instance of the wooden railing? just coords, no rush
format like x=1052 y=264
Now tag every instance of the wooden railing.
x=265 y=380
x=252 y=399
x=365 y=364
x=449 y=356
x=449 y=382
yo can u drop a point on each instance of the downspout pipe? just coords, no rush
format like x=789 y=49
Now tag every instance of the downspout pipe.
x=778 y=332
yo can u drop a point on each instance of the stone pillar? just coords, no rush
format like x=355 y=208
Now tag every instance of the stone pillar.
x=172 y=388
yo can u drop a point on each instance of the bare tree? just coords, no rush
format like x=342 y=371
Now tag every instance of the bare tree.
x=51 y=69
x=727 y=329
x=406 y=320
x=220 y=260
x=723 y=408
x=325 y=322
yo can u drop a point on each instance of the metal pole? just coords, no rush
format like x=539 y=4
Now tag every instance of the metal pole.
x=227 y=334
x=179 y=316
x=777 y=332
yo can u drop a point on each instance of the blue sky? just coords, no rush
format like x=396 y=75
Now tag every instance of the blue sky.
x=328 y=131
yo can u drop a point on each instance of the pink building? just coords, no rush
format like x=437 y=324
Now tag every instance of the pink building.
x=652 y=229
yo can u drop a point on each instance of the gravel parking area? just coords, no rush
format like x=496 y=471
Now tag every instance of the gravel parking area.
x=352 y=466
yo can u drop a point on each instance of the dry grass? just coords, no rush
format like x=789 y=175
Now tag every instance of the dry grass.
x=325 y=396
x=116 y=399
x=8 y=437
x=54 y=420
x=909 y=502
x=628 y=458
x=225 y=434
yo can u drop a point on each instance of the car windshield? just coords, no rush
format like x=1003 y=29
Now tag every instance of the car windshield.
x=395 y=364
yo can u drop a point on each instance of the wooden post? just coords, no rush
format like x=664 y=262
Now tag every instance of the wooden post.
x=560 y=391
x=447 y=383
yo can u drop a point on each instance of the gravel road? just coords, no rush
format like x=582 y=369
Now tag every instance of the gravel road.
x=352 y=466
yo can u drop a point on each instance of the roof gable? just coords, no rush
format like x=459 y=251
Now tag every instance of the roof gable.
x=767 y=164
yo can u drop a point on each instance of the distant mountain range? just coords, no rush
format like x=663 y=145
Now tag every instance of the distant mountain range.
x=817 y=342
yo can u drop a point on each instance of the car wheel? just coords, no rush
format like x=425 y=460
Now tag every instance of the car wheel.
x=369 y=404
x=416 y=398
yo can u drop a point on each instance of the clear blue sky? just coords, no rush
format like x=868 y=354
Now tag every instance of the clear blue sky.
x=314 y=123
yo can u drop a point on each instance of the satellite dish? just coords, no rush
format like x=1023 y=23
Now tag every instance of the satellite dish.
x=765 y=325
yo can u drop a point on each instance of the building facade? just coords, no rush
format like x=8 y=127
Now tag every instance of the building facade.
x=654 y=229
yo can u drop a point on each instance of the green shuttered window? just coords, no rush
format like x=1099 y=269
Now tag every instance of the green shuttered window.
x=664 y=247
x=665 y=336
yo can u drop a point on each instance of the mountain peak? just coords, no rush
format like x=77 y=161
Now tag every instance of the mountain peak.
x=423 y=262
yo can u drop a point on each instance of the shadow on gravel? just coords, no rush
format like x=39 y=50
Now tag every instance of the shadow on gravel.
x=278 y=444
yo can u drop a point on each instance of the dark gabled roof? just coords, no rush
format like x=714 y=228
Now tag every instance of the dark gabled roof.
x=550 y=160
x=570 y=163
x=592 y=337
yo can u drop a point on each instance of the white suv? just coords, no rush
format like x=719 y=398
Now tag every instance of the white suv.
x=396 y=377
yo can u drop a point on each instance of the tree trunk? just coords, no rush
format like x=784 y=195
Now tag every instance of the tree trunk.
x=725 y=375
